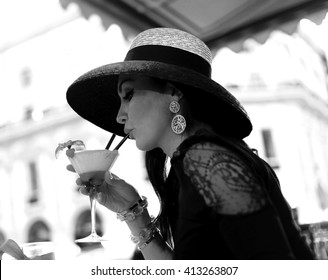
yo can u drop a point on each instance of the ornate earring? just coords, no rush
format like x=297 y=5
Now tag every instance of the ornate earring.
x=178 y=123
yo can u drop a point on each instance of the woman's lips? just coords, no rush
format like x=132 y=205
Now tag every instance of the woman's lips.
x=131 y=134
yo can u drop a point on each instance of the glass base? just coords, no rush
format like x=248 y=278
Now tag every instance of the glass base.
x=91 y=238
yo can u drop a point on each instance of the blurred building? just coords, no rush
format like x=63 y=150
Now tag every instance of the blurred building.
x=283 y=86
x=39 y=199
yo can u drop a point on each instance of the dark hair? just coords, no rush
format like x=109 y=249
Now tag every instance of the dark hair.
x=156 y=169
x=156 y=162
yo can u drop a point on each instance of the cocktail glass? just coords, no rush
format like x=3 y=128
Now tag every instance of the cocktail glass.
x=91 y=166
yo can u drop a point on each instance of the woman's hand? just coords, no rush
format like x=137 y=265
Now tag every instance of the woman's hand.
x=114 y=193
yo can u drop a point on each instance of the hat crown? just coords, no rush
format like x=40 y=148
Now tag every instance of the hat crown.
x=169 y=37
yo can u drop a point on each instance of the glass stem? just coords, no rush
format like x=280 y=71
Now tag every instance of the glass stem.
x=93 y=202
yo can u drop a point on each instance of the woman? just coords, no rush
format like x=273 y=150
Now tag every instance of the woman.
x=220 y=200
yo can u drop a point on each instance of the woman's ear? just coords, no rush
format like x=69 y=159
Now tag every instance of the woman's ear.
x=175 y=92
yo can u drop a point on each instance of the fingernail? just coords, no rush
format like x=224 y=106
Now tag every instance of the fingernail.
x=99 y=197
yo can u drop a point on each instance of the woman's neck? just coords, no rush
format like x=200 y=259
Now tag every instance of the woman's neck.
x=175 y=140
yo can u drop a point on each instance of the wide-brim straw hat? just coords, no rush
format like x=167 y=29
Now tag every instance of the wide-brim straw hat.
x=168 y=54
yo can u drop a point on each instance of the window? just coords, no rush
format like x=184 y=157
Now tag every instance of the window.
x=2 y=237
x=269 y=148
x=34 y=182
x=26 y=77
x=39 y=232
x=83 y=227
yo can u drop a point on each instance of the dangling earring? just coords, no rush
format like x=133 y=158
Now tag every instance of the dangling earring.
x=178 y=123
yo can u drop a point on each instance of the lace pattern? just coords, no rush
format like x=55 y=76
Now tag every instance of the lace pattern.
x=224 y=181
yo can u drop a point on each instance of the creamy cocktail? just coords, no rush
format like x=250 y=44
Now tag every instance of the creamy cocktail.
x=91 y=165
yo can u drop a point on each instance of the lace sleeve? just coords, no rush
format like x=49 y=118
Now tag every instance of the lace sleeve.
x=224 y=181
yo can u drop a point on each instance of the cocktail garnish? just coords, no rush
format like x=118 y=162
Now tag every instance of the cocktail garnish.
x=76 y=145
x=70 y=153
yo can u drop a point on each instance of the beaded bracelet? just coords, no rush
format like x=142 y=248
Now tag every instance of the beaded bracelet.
x=134 y=211
x=144 y=245
x=146 y=235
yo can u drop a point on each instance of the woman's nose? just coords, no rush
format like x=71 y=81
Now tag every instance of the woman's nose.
x=121 y=116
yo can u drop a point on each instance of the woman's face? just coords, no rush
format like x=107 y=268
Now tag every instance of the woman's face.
x=144 y=110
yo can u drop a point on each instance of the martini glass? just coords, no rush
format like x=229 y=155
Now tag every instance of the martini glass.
x=91 y=166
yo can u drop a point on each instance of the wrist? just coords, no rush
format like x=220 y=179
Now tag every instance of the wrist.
x=137 y=216
x=134 y=211
x=139 y=222
x=146 y=235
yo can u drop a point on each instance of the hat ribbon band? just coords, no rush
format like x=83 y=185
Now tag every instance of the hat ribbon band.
x=170 y=55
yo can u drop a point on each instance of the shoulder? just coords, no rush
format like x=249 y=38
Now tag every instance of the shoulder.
x=223 y=179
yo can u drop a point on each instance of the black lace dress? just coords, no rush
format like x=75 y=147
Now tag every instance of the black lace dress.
x=227 y=204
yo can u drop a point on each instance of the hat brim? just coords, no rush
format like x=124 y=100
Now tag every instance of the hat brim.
x=94 y=96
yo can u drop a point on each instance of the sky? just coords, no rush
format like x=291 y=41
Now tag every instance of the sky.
x=19 y=18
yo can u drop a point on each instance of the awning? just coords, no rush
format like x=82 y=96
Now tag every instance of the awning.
x=218 y=22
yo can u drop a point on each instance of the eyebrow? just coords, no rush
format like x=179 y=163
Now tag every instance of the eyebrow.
x=120 y=85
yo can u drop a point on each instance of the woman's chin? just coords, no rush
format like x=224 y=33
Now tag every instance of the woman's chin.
x=139 y=145
x=142 y=146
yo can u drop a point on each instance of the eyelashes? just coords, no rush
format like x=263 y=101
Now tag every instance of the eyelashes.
x=128 y=96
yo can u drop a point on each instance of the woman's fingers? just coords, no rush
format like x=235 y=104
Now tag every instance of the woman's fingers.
x=79 y=182
x=101 y=198
x=109 y=177
x=83 y=190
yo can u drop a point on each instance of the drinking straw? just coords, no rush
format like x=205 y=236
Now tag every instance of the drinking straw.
x=122 y=141
x=110 y=141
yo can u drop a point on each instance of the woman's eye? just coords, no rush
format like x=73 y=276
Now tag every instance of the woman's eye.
x=128 y=96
